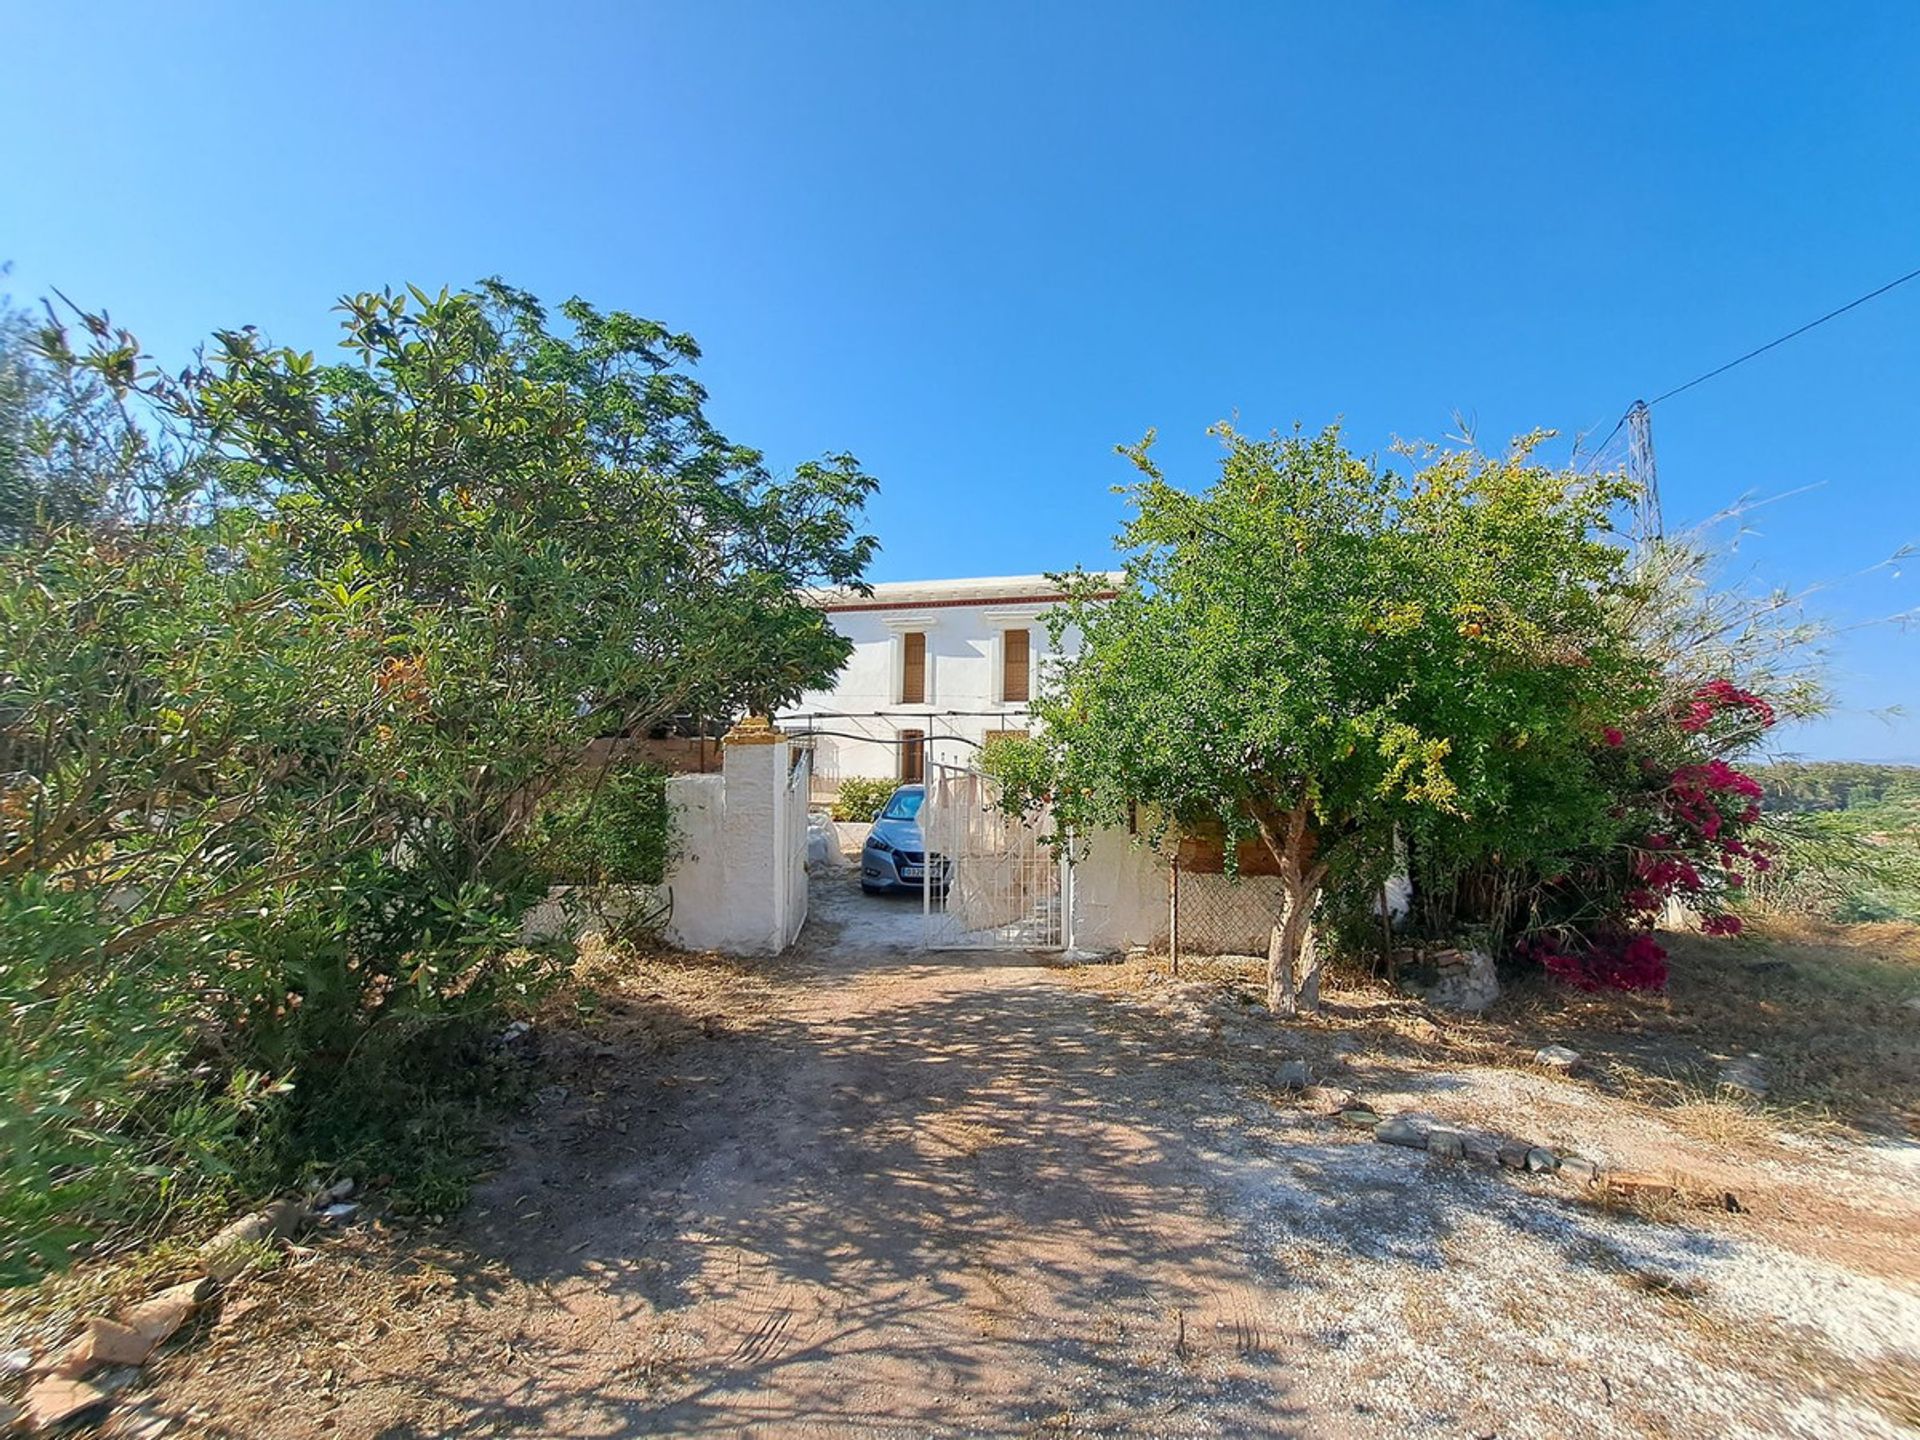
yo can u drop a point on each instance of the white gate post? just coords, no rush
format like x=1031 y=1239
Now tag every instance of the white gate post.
x=754 y=763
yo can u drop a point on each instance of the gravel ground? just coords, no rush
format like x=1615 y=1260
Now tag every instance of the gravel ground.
x=866 y=1192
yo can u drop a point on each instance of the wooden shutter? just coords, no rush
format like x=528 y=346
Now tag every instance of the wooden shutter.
x=1016 y=646
x=913 y=756
x=913 y=674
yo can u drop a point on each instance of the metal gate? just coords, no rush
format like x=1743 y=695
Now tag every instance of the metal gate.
x=992 y=882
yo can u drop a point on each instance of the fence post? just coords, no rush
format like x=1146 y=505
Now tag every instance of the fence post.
x=1173 y=912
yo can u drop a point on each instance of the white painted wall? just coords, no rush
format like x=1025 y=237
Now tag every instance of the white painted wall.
x=1120 y=899
x=739 y=881
x=1119 y=894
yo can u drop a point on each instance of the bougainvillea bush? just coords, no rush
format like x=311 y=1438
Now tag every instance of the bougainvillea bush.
x=1688 y=834
x=1654 y=807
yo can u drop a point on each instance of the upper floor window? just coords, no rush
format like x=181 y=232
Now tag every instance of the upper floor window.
x=1016 y=652
x=913 y=668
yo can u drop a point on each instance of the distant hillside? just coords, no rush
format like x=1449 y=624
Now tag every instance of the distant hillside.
x=1847 y=839
x=1795 y=786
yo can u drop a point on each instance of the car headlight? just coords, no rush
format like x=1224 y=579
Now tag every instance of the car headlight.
x=881 y=845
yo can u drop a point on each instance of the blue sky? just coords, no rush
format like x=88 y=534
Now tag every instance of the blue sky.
x=979 y=245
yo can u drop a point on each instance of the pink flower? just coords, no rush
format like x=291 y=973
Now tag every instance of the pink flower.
x=1614 y=737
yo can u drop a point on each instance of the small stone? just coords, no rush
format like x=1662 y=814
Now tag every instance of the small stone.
x=1446 y=1142
x=57 y=1400
x=1513 y=1154
x=335 y=1216
x=1556 y=1057
x=1483 y=1149
x=340 y=1190
x=1330 y=1098
x=1578 y=1168
x=1408 y=1130
x=15 y=1362
x=156 y=1319
x=104 y=1342
x=1745 y=1075
x=1360 y=1117
x=1292 y=1075
x=1542 y=1161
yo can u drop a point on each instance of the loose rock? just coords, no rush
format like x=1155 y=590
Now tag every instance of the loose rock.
x=57 y=1400
x=1542 y=1161
x=1444 y=1141
x=1513 y=1154
x=1329 y=1098
x=156 y=1319
x=1408 y=1130
x=1469 y=981
x=1578 y=1167
x=229 y=1252
x=1745 y=1075
x=1483 y=1149
x=1359 y=1116
x=103 y=1342
x=1556 y=1057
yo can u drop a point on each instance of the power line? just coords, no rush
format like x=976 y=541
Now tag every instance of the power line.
x=1791 y=334
x=1771 y=344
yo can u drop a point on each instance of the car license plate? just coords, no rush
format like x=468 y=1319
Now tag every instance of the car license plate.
x=913 y=872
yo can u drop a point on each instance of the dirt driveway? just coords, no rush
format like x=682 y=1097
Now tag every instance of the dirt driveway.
x=880 y=1194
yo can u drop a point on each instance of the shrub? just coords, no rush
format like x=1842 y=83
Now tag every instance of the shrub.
x=604 y=827
x=1024 y=769
x=862 y=798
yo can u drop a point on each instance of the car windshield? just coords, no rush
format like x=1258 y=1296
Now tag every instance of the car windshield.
x=904 y=805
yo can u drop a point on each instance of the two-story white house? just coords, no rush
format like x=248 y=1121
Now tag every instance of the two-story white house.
x=938 y=666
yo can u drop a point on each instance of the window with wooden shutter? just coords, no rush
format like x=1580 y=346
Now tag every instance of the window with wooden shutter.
x=913 y=756
x=1015 y=653
x=913 y=670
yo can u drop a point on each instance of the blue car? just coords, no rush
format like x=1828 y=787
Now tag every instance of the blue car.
x=895 y=855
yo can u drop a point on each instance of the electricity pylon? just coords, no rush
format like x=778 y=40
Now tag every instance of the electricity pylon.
x=1642 y=471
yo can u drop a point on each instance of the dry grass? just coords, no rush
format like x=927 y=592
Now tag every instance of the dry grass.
x=679 y=987
x=1822 y=1005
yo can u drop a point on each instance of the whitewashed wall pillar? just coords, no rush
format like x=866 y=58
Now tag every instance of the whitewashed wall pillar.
x=732 y=886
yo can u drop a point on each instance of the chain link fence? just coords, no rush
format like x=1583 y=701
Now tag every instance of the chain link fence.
x=1220 y=914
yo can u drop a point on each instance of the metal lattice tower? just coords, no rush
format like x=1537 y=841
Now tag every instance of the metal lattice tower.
x=1642 y=471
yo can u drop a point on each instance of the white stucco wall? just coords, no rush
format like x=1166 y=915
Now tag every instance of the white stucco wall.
x=739 y=881
x=1120 y=899
x=1119 y=895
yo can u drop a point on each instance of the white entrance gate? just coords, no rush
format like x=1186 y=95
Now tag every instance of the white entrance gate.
x=992 y=882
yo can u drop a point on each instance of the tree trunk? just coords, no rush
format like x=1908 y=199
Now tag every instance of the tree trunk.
x=1292 y=940
x=1280 y=999
x=1293 y=957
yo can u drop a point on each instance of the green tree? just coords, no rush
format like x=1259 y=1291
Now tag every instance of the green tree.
x=279 y=701
x=1315 y=650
